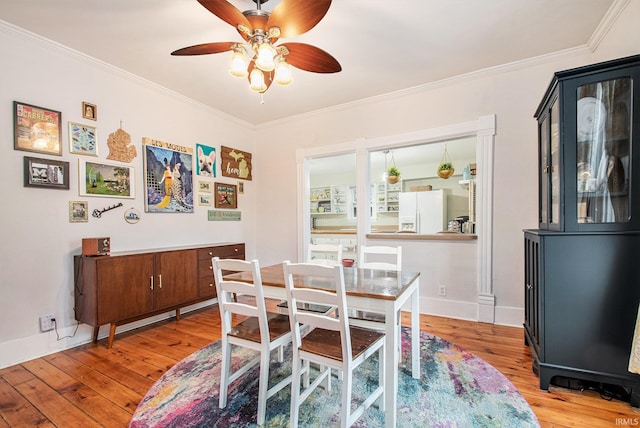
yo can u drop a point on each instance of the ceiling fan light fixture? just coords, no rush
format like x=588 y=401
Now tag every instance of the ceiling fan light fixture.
x=238 y=63
x=283 y=75
x=265 y=57
x=256 y=79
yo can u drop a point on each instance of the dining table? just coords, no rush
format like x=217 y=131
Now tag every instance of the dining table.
x=383 y=292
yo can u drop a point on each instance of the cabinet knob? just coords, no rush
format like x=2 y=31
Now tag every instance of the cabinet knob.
x=210 y=284
x=529 y=286
x=235 y=249
x=210 y=267
x=211 y=253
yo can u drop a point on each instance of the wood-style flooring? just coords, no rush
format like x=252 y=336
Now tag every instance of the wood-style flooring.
x=91 y=386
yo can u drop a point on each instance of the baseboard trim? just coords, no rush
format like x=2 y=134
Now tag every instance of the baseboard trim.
x=504 y=315
x=42 y=344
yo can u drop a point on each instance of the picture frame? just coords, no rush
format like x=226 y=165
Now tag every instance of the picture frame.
x=78 y=211
x=83 y=139
x=226 y=195
x=89 y=111
x=204 y=186
x=37 y=129
x=205 y=160
x=168 y=177
x=204 y=199
x=46 y=173
x=105 y=179
x=240 y=187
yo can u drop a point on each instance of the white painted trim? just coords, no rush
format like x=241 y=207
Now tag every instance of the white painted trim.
x=39 y=345
x=484 y=129
x=507 y=316
x=607 y=22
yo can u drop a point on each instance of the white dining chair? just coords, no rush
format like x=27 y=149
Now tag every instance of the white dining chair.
x=324 y=254
x=380 y=257
x=261 y=331
x=331 y=343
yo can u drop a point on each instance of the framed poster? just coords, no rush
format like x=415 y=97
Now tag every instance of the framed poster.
x=36 y=129
x=83 y=139
x=168 y=177
x=47 y=173
x=235 y=163
x=206 y=165
x=106 y=180
x=225 y=195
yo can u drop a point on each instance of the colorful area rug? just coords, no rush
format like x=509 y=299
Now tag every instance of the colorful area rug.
x=456 y=389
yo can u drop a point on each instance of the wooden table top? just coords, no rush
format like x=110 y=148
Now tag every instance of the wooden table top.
x=372 y=283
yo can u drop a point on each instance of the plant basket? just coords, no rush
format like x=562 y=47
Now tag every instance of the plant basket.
x=446 y=173
x=445 y=168
x=393 y=179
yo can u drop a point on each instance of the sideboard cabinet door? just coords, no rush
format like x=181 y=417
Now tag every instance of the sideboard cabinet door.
x=176 y=278
x=124 y=287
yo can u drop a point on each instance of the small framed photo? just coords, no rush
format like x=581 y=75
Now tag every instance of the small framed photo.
x=78 y=212
x=106 y=180
x=89 y=111
x=204 y=199
x=37 y=129
x=46 y=173
x=83 y=139
x=204 y=186
x=225 y=195
x=240 y=187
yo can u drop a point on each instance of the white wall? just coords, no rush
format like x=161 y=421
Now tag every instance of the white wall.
x=38 y=241
x=512 y=93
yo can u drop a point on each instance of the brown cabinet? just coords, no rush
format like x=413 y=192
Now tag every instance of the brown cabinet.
x=125 y=287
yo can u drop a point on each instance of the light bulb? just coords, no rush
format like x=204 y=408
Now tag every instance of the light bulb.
x=265 y=60
x=238 y=64
x=283 y=74
x=257 y=80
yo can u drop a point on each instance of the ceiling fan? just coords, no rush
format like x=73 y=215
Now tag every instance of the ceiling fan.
x=260 y=30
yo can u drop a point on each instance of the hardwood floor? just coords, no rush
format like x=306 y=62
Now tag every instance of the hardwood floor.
x=91 y=386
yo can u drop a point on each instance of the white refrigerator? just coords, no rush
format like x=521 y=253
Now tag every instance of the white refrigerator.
x=423 y=212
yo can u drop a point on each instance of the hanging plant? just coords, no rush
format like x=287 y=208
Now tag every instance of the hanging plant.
x=445 y=168
x=393 y=173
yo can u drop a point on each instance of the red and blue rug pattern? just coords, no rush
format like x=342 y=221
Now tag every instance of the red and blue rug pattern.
x=456 y=389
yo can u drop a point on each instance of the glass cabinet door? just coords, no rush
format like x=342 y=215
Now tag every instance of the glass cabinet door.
x=603 y=115
x=550 y=165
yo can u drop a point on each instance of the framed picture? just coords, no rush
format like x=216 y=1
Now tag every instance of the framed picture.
x=240 y=187
x=206 y=165
x=204 y=199
x=225 y=195
x=168 y=177
x=47 y=173
x=107 y=180
x=204 y=186
x=78 y=212
x=235 y=163
x=89 y=111
x=83 y=139
x=36 y=129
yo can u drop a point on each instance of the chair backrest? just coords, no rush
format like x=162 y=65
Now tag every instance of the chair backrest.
x=319 y=253
x=228 y=291
x=385 y=258
x=297 y=277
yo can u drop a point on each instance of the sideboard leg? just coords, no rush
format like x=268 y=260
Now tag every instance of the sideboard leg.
x=112 y=333
x=178 y=314
x=95 y=333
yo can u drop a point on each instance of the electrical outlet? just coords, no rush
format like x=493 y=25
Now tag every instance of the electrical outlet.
x=47 y=322
x=443 y=290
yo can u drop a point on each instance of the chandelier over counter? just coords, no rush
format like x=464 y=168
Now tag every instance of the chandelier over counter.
x=258 y=58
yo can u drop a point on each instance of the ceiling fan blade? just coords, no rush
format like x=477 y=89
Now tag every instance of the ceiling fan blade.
x=205 y=49
x=295 y=17
x=225 y=11
x=310 y=58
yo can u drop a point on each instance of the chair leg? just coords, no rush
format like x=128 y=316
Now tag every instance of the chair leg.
x=346 y=397
x=263 y=385
x=295 y=390
x=224 y=373
x=381 y=374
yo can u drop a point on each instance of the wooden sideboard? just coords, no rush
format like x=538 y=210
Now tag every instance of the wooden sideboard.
x=129 y=286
